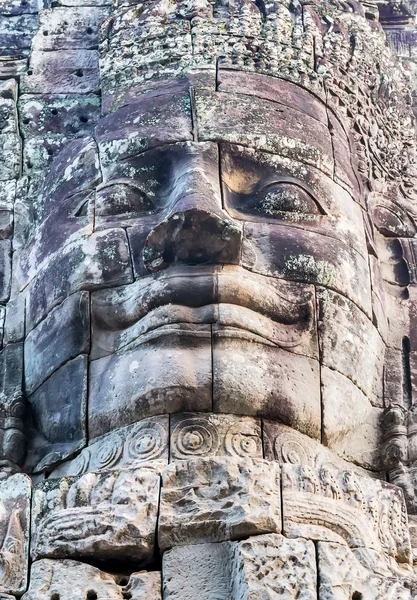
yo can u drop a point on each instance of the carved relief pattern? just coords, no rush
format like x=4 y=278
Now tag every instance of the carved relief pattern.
x=96 y=515
x=215 y=435
x=15 y=493
x=142 y=444
x=343 y=507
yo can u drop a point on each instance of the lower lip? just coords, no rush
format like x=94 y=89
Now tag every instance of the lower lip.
x=221 y=320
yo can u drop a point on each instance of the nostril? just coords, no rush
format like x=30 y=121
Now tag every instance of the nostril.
x=192 y=237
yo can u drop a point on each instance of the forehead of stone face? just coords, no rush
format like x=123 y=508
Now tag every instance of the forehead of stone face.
x=252 y=110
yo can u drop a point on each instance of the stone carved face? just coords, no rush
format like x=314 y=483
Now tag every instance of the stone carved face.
x=206 y=251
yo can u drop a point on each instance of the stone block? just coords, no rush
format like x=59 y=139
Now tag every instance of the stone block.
x=265 y=566
x=99 y=260
x=345 y=169
x=58 y=410
x=215 y=499
x=195 y=435
x=288 y=446
x=8 y=115
x=100 y=516
x=11 y=371
x=72 y=580
x=2 y=320
x=342 y=577
x=272 y=89
x=62 y=335
x=299 y=255
x=350 y=343
x=68 y=28
x=62 y=72
x=76 y=169
x=5 y=269
x=15 y=492
x=10 y=151
x=339 y=506
x=39 y=152
x=143 y=444
x=17 y=7
x=41 y=115
x=7 y=195
x=14 y=323
x=16 y=32
x=204 y=570
x=351 y=425
x=265 y=125
x=165 y=372
x=12 y=409
x=119 y=136
x=275 y=383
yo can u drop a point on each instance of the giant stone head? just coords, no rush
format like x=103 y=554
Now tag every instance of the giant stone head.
x=220 y=242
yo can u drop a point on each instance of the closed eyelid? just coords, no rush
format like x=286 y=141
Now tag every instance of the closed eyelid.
x=290 y=187
x=122 y=197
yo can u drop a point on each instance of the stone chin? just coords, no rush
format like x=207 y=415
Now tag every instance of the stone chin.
x=204 y=338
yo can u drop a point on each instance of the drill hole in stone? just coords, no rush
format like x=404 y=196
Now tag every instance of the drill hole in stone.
x=30 y=72
x=357 y=596
x=45 y=33
x=91 y=595
x=49 y=152
x=127 y=596
x=25 y=121
x=55 y=597
x=79 y=73
x=89 y=30
x=54 y=111
x=84 y=119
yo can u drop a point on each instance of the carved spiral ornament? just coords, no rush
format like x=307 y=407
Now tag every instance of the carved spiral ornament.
x=146 y=441
x=288 y=449
x=109 y=452
x=243 y=440
x=80 y=463
x=192 y=437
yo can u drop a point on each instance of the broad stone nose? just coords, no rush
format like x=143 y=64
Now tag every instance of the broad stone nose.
x=192 y=236
x=196 y=229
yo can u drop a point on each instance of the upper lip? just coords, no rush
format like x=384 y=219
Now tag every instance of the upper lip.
x=269 y=307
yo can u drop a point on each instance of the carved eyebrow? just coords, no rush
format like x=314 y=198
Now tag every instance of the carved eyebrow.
x=122 y=181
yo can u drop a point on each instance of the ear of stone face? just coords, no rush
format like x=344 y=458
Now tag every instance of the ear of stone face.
x=71 y=580
x=265 y=564
x=15 y=493
x=216 y=499
x=101 y=516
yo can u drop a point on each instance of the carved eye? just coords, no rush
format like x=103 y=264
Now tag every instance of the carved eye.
x=280 y=198
x=120 y=198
